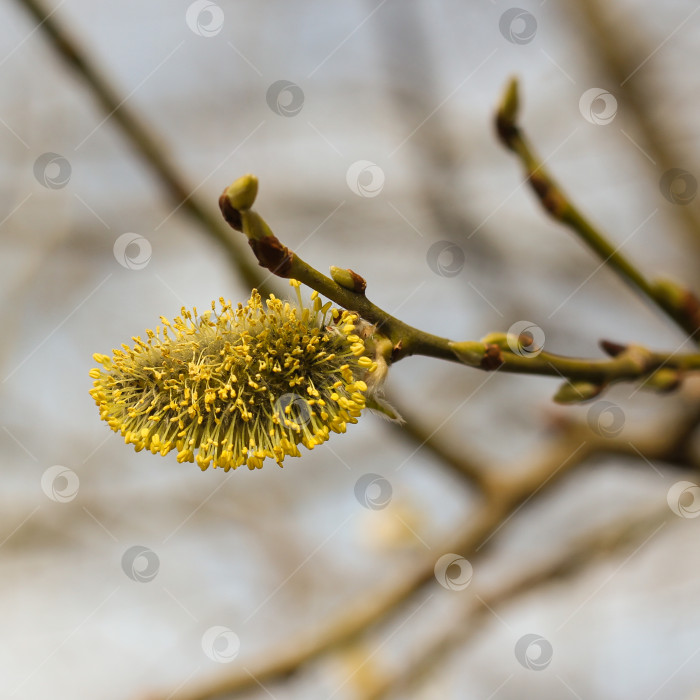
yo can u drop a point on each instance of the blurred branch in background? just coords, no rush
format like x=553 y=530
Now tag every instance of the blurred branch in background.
x=523 y=484
x=473 y=467
x=623 y=62
x=143 y=142
x=503 y=491
x=588 y=550
x=412 y=85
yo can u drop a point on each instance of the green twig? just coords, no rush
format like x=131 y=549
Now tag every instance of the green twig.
x=509 y=353
x=678 y=303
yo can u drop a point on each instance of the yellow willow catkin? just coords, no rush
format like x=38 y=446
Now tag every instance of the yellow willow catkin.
x=236 y=385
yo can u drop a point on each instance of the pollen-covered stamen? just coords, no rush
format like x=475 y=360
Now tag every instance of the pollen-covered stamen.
x=239 y=384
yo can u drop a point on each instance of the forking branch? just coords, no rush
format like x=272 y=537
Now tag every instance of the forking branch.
x=678 y=303
x=508 y=352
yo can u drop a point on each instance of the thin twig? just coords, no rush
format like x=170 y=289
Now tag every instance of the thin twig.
x=413 y=87
x=464 y=627
x=463 y=460
x=500 y=351
x=680 y=304
x=138 y=135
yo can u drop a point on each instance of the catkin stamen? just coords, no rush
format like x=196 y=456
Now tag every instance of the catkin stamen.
x=237 y=385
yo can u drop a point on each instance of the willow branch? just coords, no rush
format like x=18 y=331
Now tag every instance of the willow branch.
x=497 y=351
x=174 y=184
x=138 y=135
x=680 y=304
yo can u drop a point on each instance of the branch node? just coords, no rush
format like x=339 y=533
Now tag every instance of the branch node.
x=273 y=255
x=552 y=200
x=492 y=359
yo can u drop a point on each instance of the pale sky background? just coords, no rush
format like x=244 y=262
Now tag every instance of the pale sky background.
x=410 y=87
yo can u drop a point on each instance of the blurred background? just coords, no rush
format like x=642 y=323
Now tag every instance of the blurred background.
x=371 y=567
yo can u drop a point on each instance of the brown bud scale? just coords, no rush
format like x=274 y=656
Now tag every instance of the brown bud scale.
x=552 y=200
x=611 y=348
x=273 y=255
x=506 y=130
x=359 y=283
x=493 y=358
x=232 y=216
